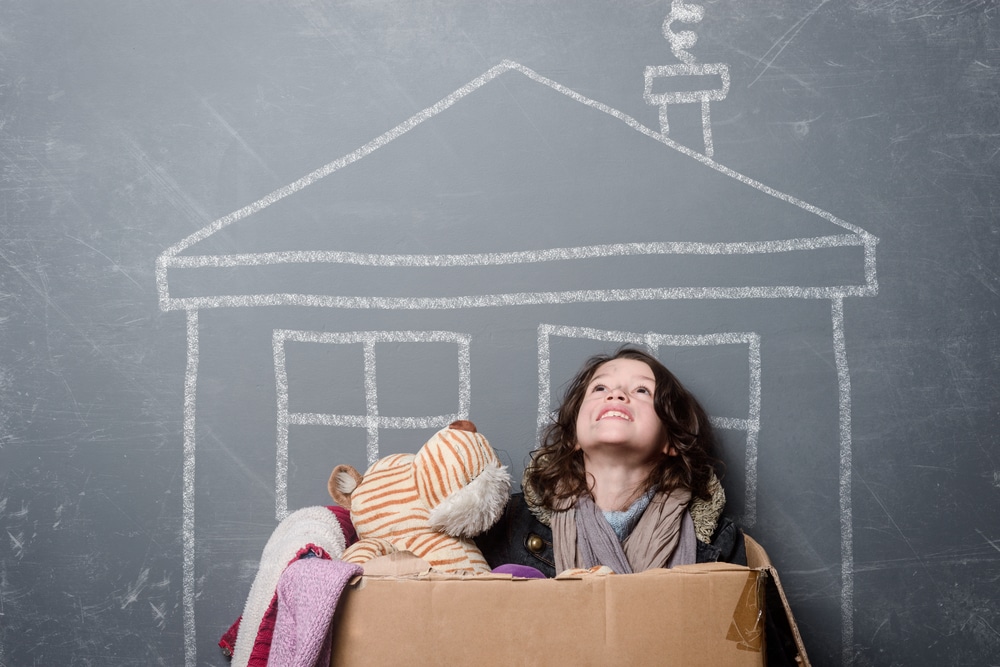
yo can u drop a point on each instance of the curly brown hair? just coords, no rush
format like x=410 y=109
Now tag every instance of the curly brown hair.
x=556 y=473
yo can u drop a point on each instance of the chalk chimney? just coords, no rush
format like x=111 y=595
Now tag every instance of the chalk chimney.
x=687 y=83
x=678 y=80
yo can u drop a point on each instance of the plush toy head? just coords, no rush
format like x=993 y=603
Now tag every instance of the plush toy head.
x=431 y=503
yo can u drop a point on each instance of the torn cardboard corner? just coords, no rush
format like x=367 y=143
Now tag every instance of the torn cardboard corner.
x=758 y=558
x=709 y=614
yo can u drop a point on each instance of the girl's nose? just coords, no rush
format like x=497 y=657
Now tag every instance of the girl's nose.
x=616 y=395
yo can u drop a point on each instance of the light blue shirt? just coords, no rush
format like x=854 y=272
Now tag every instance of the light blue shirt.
x=622 y=522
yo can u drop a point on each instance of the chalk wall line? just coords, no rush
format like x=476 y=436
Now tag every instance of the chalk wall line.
x=846 y=464
x=514 y=257
x=525 y=257
x=187 y=501
x=515 y=299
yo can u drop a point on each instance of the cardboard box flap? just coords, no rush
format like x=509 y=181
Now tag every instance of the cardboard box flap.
x=758 y=558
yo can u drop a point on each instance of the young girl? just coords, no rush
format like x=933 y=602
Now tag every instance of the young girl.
x=624 y=477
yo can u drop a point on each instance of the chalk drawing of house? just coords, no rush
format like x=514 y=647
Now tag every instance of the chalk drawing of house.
x=447 y=218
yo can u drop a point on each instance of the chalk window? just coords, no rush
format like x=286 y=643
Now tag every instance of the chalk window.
x=384 y=391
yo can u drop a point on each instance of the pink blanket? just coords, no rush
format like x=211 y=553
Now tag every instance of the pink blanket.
x=320 y=532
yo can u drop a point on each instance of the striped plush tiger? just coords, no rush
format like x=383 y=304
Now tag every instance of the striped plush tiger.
x=430 y=503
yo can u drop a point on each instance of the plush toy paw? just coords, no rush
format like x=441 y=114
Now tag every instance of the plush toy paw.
x=580 y=572
x=367 y=549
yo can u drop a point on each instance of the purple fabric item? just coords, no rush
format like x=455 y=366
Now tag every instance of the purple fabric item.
x=522 y=571
x=308 y=592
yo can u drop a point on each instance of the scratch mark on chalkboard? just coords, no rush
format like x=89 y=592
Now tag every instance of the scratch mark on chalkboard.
x=986 y=277
x=988 y=540
x=963 y=558
x=236 y=135
x=163 y=583
x=982 y=620
x=159 y=614
x=115 y=266
x=784 y=41
x=23 y=512
x=822 y=355
x=17 y=544
x=135 y=589
x=854 y=120
x=939 y=9
x=237 y=460
x=965 y=610
x=40 y=287
x=878 y=630
x=173 y=191
x=802 y=127
x=892 y=522
x=527 y=116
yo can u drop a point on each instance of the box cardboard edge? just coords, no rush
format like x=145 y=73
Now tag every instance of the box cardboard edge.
x=757 y=558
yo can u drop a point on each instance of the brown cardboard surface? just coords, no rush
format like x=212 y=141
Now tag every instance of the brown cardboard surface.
x=707 y=614
x=696 y=615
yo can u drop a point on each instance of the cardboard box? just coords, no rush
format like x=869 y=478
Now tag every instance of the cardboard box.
x=708 y=614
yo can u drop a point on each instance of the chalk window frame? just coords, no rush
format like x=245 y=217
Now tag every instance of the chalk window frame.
x=371 y=421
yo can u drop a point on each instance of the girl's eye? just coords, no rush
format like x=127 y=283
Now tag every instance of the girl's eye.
x=599 y=387
x=642 y=390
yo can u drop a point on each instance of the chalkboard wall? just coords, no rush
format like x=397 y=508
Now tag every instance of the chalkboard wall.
x=243 y=242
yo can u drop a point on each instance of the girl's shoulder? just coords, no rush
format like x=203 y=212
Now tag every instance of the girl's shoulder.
x=727 y=545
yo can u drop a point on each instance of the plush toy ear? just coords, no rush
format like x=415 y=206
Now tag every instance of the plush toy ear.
x=343 y=481
x=463 y=425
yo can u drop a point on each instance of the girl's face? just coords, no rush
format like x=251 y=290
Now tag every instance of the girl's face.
x=617 y=417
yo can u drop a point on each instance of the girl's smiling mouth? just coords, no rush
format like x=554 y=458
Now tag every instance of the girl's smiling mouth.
x=614 y=413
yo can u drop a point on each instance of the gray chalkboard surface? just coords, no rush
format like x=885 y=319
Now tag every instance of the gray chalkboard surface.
x=243 y=242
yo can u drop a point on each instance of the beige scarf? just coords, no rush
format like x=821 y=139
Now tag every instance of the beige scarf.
x=650 y=544
x=704 y=513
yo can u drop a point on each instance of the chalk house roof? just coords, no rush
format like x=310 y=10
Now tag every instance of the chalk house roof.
x=516 y=185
